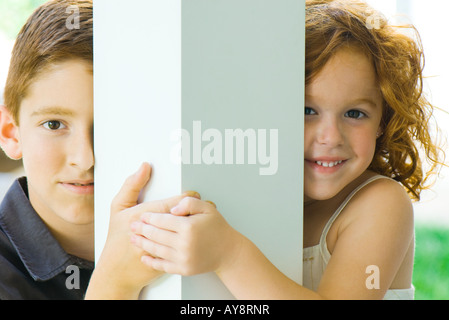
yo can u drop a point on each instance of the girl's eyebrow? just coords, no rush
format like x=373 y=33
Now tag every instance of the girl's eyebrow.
x=363 y=101
x=52 y=110
x=355 y=102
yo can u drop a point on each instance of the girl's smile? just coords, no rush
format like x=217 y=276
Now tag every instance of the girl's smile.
x=324 y=166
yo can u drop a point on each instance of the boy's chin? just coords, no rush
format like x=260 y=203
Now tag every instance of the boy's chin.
x=77 y=214
x=79 y=220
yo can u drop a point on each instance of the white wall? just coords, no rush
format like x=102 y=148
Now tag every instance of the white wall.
x=228 y=64
x=430 y=18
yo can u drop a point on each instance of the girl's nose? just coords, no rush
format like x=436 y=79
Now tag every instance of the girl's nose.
x=330 y=133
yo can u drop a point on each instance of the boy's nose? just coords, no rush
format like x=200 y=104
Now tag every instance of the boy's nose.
x=81 y=153
x=330 y=133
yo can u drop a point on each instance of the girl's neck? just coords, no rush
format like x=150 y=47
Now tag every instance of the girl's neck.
x=312 y=205
x=318 y=212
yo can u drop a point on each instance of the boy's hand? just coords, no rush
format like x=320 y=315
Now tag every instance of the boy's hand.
x=187 y=245
x=119 y=273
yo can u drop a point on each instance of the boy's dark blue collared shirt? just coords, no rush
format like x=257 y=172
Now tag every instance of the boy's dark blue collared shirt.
x=32 y=263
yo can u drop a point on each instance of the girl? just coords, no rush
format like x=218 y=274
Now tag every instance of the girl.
x=365 y=117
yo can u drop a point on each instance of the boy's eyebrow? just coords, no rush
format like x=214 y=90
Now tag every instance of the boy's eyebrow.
x=53 y=110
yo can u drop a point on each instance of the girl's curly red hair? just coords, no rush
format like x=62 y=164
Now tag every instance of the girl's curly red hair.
x=399 y=61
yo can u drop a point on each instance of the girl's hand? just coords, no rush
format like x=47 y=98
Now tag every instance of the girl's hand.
x=196 y=239
x=119 y=273
x=193 y=239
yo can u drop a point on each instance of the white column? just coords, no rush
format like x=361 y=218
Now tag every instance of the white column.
x=230 y=73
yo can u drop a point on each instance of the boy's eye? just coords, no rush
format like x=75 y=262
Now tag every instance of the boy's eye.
x=355 y=114
x=53 y=125
x=309 y=111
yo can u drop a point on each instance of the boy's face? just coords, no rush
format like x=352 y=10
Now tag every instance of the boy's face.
x=56 y=140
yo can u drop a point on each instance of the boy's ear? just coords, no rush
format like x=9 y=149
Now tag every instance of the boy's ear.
x=9 y=135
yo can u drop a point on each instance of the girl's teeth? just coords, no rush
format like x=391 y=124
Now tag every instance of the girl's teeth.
x=328 y=164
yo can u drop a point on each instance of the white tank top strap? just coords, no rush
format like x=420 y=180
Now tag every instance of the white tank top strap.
x=323 y=242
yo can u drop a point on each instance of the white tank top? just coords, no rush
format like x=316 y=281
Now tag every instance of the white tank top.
x=316 y=258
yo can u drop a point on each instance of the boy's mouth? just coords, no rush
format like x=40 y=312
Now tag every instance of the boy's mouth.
x=82 y=184
x=85 y=187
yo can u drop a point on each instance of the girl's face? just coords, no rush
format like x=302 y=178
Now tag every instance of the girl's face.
x=343 y=110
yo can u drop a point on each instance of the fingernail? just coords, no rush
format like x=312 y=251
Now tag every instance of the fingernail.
x=192 y=194
x=212 y=203
x=136 y=173
x=142 y=165
x=134 y=226
x=175 y=210
x=146 y=260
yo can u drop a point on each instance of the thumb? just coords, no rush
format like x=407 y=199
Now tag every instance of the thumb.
x=129 y=193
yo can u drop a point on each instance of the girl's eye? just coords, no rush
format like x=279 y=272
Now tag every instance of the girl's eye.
x=53 y=125
x=309 y=111
x=355 y=114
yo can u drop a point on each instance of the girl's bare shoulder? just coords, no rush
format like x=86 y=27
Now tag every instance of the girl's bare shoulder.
x=382 y=207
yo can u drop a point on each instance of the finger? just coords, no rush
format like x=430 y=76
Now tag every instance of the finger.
x=192 y=194
x=212 y=203
x=160 y=264
x=165 y=205
x=189 y=206
x=158 y=206
x=152 y=248
x=164 y=221
x=161 y=236
x=129 y=192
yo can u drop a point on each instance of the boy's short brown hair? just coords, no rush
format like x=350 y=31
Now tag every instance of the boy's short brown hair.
x=52 y=34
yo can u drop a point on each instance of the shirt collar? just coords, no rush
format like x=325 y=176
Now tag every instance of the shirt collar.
x=39 y=251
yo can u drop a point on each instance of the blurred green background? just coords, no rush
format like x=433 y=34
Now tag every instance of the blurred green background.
x=431 y=271
x=14 y=13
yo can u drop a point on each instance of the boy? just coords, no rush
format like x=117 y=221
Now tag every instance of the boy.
x=47 y=217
